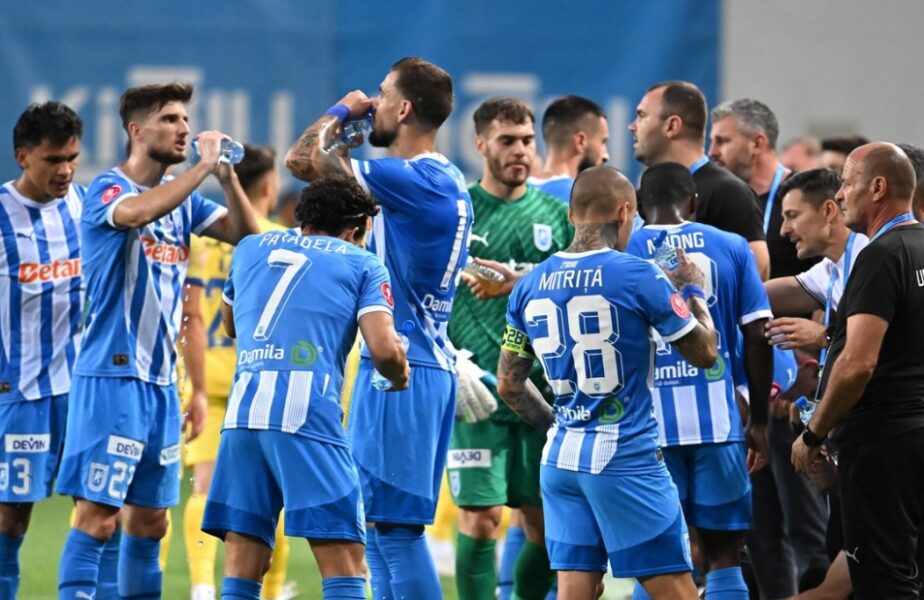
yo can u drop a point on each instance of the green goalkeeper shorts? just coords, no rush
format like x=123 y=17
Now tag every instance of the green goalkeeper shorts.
x=493 y=463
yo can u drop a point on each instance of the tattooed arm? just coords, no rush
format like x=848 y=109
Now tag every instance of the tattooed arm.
x=307 y=159
x=520 y=394
x=699 y=346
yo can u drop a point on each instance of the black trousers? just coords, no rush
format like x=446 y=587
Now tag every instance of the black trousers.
x=787 y=541
x=882 y=500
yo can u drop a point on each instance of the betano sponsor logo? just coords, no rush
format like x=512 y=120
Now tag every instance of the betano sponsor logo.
x=57 y=270
x=164 y=253
x=267 y=352
x=32 y=443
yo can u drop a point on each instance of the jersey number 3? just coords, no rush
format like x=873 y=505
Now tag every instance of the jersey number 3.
x=593 y=328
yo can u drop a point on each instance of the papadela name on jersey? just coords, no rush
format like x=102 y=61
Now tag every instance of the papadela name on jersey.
x=273 y=238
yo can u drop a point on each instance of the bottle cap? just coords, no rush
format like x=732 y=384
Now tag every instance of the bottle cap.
x=407 y=327
x=801 y=402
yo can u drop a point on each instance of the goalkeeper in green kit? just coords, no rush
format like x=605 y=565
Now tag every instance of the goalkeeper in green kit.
x=494 y=460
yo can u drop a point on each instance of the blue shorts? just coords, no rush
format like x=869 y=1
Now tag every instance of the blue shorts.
x=714 y=485
x=635 y=521
x=399 y=442
x=33 y=431
x=123 y=442
x=257 y=473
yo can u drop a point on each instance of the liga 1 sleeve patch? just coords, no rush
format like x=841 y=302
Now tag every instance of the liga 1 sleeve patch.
x=515 y=340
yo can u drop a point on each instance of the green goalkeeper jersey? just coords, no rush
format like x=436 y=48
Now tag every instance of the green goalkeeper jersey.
x=520 y=233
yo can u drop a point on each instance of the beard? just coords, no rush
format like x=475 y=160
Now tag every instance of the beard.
x=586 y=163
x=166 y=157
x=497 y=171
x=382 y=138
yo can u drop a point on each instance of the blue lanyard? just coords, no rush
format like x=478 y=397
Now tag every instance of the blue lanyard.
x=896 y=221
x=829 y=298
x=698 y=164
x=771 y=197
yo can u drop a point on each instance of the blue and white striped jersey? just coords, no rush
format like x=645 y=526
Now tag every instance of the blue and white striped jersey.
x=697 y=406
x=134 y=280
x=587 y=317
x=296 y=302
x=422 y=236
x=41 y=293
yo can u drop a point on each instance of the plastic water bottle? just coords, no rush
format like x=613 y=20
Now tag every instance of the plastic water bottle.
x=806 y=409
x=379 y=381
x=353 y=135
x=490 y=280
x=231 y=152
x=666 y=255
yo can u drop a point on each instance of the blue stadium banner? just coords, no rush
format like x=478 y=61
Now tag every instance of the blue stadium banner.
x=264 y=69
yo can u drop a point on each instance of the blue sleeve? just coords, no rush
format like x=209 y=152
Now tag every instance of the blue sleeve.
x=227 y=293
x=753 y=303
x=204 y=212
x=103 y=195
x=514 y=312
x=375 y=290
x=785 y=368
x=392 y=181
x=667 y=312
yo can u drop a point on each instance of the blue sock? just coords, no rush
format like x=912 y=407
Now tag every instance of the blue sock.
x=79 y=566
x=139 y=568
x=378 y=568
x=726 y=584
x=639 y=593
x=344 y=588
x=410 y=566
x=9 y=565
x=107 y=583
x=242 y=589
x=512 y=545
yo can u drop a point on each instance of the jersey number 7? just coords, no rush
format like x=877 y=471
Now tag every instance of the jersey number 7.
x=295 y=265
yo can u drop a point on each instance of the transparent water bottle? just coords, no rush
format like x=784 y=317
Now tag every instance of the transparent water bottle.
x=666 y=255
x=490 y=280
x=353 y=135
x=379 y=381
x=806 y=409
x=231 y=152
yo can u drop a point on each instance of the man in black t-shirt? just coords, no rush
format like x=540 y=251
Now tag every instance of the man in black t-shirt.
x=873 y=386
x=670 y=126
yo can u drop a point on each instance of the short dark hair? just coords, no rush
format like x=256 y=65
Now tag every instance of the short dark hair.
x=257 y=162
x=666 y=184
x=688 y=102
x=511 y=110
x=335 y=204
x=563 y=118
x=816 y=185
x=845 y=144
x=916 y=156
x=150 y=98
x=50 y=121
x=427 y=87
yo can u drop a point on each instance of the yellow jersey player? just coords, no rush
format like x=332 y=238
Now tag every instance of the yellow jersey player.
x=209 y=356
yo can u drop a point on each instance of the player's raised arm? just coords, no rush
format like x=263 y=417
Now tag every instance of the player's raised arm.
x=698 y=346
x=514 y=385
x=240 y=220
x=307 y=159
x=388 y=355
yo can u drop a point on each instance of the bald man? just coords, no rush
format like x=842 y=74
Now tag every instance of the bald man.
x=586 y=313
x=873 y=387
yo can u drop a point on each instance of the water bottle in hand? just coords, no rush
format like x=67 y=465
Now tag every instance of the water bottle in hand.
x=666 y=255
x=231 y=152
x=806 y=409
x=353 y=135
x=379 y=381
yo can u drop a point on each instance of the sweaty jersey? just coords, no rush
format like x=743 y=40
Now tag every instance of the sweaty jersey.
x=421 y=234
x=41 y=293
x=296 y=300
x=209 y=262
x=697 y=406
x=521 y=233
x=587 y=318
x=134 y=279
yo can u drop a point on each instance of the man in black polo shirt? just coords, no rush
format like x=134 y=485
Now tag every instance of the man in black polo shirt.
x=670 y=126
x=873 y=386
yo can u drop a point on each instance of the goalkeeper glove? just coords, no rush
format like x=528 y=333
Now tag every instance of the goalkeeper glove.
x=474 y=401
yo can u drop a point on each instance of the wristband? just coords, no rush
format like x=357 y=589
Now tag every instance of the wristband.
x=340 y=111
x=690 y=290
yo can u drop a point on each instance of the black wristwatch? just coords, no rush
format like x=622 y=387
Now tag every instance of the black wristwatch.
x=829 y=334
x=811 y=440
